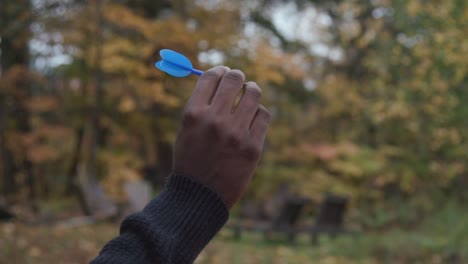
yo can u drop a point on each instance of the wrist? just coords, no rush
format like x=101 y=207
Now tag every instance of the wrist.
x=187 y=212
x=178 y=180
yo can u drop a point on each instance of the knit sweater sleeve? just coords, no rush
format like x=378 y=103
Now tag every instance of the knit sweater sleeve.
x=173 y=228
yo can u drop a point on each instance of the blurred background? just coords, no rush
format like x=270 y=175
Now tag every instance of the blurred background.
x=368 y=139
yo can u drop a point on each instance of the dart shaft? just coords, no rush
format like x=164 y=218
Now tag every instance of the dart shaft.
x=197 y=72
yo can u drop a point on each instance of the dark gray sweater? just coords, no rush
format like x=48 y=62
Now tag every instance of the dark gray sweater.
x=173 y=228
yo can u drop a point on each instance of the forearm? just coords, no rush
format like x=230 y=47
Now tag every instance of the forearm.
x=173 y=228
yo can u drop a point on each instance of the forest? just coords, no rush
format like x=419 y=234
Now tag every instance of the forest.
x=369 y=101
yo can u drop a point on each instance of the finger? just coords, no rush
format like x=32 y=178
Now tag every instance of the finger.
x=207 y=85
x=248 y=106
x=227 y=91
x=259 y=126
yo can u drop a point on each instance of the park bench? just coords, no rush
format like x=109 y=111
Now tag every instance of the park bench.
x=285 y=221
x=329 y=220
x=5 y=214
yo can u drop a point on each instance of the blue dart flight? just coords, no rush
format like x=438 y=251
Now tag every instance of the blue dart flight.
x=176 y=64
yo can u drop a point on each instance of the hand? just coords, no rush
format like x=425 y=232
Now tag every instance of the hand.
x=217 y=145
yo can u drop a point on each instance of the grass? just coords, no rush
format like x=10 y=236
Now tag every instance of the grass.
x=441 y=238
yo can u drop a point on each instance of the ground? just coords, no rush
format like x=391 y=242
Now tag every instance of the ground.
x=441 y=237
x=44 y=244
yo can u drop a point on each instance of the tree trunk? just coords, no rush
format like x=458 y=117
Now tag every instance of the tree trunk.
x=97 y=202
x=71 y=185
x=15 y=21
x=163 y=149
x=6 y=162
x=93 y=168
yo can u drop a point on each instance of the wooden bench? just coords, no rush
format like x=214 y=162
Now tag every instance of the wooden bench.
x=329 y=220
x=285 y=221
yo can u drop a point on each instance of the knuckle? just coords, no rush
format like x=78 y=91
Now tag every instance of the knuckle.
x=192 y=116
x=215 y=126
x=252 y=151
x=235 y=75
x=234 y=139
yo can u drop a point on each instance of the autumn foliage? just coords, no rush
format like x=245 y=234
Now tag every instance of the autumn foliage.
x=379 y=116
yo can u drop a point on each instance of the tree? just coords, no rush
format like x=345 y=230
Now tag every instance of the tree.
x=14 y=92
x=394 y=94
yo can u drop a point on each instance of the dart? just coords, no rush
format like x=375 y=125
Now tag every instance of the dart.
x=176 y=64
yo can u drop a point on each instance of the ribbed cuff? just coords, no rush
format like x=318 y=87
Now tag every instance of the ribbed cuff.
x=186 y=216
